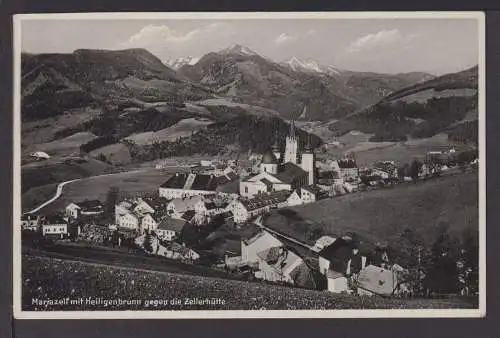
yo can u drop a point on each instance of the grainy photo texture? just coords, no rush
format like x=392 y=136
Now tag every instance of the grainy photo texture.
x=203 y=163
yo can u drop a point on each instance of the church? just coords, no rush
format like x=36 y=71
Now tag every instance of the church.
x=282 y=171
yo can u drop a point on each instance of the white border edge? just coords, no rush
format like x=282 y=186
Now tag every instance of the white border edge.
x=232 y=314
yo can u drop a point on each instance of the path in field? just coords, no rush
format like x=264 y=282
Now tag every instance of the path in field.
x=56 y=196
x=59 y=191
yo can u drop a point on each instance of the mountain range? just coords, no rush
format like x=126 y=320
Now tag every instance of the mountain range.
x=116 y=94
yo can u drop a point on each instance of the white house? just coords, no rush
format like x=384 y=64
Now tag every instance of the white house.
x=40 y=155
x=30 y=222
x=278 y=264
x=246 y=209
x=85 y=208
x=178 y=206
x=188 y=184
x=294 y=199
x=258 y=243
x=135 y=215
x=170 y=228
x=337 y=282
x=54 y=226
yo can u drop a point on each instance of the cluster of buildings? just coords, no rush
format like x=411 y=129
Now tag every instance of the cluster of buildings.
x=346 y=266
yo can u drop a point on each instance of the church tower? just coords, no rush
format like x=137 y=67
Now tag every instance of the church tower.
x=276 y=149
x=291 y=146
x=307 y=161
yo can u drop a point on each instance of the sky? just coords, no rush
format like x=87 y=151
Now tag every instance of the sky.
x=436 y=46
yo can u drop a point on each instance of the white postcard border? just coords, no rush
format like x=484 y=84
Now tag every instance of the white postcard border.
x=229 y=314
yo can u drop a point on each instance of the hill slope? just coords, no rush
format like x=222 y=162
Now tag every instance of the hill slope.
x=425 y=109
x=383 y=215
x=53 y=83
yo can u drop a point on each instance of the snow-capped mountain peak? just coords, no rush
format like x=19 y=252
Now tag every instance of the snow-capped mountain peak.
x=179 y=62
x=307 y=65
x=303 y=65
x=238 y=49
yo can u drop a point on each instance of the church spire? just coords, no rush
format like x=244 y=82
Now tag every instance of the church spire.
x=292 y=129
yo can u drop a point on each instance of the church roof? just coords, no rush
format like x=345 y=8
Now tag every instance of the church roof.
x=269 y=158
x=290 y=172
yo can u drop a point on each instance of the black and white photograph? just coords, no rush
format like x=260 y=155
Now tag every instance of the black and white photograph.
x=249 y=165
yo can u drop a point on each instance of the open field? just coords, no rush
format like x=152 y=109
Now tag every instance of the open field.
x=64 y=146
x=382 y=215
x=183 y=128
x=141 y=181
x=37 y=195
x=45 y=279
x=367 y=152
x=56 y=170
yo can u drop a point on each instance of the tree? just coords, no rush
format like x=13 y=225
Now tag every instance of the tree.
x=111 y=200
x=415 y=169
x=148 y=243
x=442 y=276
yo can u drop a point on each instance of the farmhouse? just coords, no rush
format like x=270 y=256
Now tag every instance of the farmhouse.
x=170 y=228
x=188 y=184
x=30 y=222
x=340 y=260
x=348 y=170
x=374 y=280
x=135 y=215
x=258 y=243
x=262 y=203
x=85 y=208
x=54 y=226
x=178 y=206
x=40 y=155
x=279 y=264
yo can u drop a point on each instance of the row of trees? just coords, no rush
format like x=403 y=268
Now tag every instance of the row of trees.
x=450 y=265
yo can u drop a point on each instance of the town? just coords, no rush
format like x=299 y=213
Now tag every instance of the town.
x=212 y=215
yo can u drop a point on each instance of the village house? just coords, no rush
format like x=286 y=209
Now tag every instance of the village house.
x=170 y=229
x=374 y=280
x=311 y=193
x=385 y=169
x=178 y=251
x=245 y=209
x=279 y=264
x=348 y=170
x=258 y=243
x=54 y=226
x=135 y=215
x=339 y=261
x=294 y=199
x=85 y=208
x=30 y=222
x=178 y=206
x=40 y=155
x=182 y=185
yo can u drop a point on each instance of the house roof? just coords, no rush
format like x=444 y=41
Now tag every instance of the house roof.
x=347 y=164
x=177 y=181
x=377 y=280
x=334 y=274
x=188 y=215
x=53 y=219
x=290 y=172
x=386 y=167
x=269 y=158
x=302 y=276
x=338 y=253
x=90 y=204
x=231 y=187
x=313 y=189
x=263 y=200
x=183 y=204
x=172 y=224
x=231 y=175
x=263 y=236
